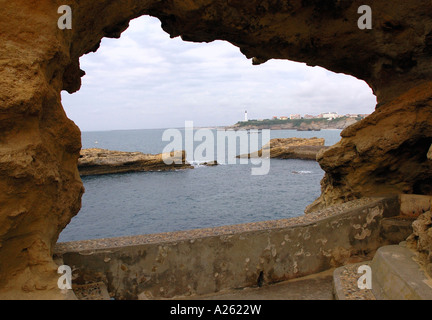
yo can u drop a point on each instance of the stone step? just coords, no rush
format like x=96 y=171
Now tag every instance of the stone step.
x=345 y=283
x=395 y=275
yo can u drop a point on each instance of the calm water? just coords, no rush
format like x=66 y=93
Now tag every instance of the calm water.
x=152 y=202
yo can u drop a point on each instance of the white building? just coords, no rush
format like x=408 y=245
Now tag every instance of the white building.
x=246 y=116
x=330 y=115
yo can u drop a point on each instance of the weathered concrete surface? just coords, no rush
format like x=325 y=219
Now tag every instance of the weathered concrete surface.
x=39 y=146
x=314 y=287
x=396 y=228
x=413 y=205
x=218 y=261
x=399 y=273
x=397 y=276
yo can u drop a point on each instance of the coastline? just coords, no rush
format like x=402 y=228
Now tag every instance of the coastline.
x=96 y=161
x=316 y=124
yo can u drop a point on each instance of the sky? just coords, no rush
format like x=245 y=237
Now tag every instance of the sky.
x=146 y=80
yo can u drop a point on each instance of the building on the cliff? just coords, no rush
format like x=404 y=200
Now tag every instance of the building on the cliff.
x=295 y=116
x=329 y=115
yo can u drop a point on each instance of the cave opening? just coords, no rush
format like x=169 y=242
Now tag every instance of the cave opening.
x=138 y=86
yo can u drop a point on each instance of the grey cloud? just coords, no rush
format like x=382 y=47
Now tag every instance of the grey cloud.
x=147 y=80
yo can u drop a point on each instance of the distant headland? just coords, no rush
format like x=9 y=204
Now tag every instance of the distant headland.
x=296 y=122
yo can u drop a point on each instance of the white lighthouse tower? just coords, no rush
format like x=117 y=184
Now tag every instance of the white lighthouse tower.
x=246 y=117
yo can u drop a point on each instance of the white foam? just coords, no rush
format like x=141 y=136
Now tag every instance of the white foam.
x=302 y=172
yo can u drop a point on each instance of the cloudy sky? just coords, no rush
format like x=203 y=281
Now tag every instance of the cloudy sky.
x=146 y=80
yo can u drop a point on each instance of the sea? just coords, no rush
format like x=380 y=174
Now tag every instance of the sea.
x=127 y=204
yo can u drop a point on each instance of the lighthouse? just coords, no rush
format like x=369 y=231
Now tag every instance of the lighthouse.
x=246 y=117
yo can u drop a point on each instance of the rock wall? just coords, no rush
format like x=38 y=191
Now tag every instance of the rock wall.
x=421 y=240
x=39 y=145
x=177 y=264
x=39 y=148
x=386 y=153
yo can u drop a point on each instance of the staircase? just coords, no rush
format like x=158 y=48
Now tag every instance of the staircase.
x=395 y=275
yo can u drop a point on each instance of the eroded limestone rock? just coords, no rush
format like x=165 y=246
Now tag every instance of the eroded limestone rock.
x=421 y=239
x=97 y=161
x=384 y=154
x=39 y=145
x=290 y=148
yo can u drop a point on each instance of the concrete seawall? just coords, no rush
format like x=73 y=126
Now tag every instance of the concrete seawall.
x=211 y=260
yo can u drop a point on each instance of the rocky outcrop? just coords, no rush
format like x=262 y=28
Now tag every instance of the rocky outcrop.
x=101 y=161
x=333 y=124
x=210 y=163
x=300 y=125
x=421 y=240
x=386 y=153
x=290 y=148
x=39 y=145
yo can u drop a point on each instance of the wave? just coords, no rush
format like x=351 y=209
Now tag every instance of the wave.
x=302 y=172
x=202 y=163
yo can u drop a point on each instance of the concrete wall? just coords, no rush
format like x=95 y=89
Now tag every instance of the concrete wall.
x=222 y=259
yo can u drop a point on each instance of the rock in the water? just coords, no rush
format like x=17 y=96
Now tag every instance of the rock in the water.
x=290 y=148
x=211 y=163
x=101 y=161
